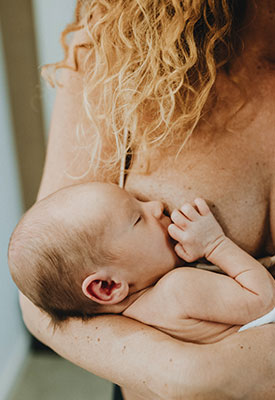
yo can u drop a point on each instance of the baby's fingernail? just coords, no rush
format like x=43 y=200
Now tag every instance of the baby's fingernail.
x=171 y=227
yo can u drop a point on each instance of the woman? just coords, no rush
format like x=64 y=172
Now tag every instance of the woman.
x=191 y=83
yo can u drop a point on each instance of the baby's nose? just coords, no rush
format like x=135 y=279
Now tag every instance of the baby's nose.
x=157 y=208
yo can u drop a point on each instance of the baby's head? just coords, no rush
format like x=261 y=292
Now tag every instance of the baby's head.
x=84 y=249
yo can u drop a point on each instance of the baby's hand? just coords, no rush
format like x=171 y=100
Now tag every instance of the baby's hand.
x=196 y=230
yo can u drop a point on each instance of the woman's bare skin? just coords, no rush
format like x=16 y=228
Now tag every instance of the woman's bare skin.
x=235 y=172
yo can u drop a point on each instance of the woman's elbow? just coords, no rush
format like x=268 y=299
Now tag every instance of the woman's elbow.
x=34 y=319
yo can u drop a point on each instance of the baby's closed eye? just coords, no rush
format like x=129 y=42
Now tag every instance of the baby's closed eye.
x=139 y=218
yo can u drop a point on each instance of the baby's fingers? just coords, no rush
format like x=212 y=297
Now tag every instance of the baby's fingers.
x=181 y=252
x=189 y=212
x=175 y=232
x=202 y=206
x=179 y=219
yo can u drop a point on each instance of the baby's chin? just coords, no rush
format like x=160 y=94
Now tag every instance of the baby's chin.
x=178 y=262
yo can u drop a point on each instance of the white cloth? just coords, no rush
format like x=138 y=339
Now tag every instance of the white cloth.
x=265 y=319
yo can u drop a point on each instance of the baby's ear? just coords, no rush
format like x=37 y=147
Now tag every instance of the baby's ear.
x=103 y=289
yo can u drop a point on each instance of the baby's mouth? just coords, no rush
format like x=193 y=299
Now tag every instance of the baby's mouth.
x=165 y=221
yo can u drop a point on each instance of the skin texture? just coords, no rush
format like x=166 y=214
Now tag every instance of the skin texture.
x=190 y=304
x=136 y=232
x=233 y=170
x=199 y=306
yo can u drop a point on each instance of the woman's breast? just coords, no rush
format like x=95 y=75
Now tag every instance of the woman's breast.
x=231 y=180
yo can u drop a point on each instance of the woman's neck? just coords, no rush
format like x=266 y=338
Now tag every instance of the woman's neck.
x=259 y=30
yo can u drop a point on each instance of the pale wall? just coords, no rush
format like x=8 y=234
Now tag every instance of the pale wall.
x=14 y=341
x=50 y=17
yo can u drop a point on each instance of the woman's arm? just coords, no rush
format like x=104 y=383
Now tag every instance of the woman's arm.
x=243 y=367
x=240 y=367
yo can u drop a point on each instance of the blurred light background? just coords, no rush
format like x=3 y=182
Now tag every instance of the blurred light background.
x=29 y=38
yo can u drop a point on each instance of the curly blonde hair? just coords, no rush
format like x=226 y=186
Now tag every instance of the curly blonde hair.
x=154 y=63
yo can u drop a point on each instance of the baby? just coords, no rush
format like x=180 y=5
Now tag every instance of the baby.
x=93 y=248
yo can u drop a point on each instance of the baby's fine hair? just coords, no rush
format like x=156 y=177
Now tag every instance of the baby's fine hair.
x=49 y=258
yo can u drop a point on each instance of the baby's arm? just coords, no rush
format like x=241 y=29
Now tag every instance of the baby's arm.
x=252 y=288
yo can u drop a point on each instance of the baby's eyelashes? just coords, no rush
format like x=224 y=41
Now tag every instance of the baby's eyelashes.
x=137 y=220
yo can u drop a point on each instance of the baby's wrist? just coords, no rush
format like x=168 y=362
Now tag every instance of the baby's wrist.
x=217 y=247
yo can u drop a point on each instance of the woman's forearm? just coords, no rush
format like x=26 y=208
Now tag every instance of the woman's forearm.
x=245 y=364
x=240 y=367
x=110 y=347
